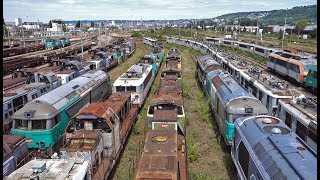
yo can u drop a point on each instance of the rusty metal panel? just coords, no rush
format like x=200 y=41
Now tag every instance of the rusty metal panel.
x=159 y=157
x=165 y=115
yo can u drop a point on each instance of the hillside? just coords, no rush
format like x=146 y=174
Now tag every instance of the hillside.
x=276 y=16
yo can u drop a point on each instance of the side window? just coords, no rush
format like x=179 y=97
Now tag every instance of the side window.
x=243 y=157
x=288 y=120
x=301 y=130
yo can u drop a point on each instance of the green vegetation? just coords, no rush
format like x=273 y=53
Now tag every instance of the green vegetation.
x=137 y=35
x=275 y=16
x=301 y=25
x=136 y=129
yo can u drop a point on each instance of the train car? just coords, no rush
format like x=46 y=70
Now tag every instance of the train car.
x=300 y=115
x=264 y=148
x=212 y=41
x=104 y=128
x=137 y=80
x=150 y=41
x=229 y=100
x=293 y=66
x=51 y=43
x=65 y=42
x=168 y=100
x=262 y=50
x=30 y=75
x=164 y=156
x=171 y=74
x=174 y=52
x=70 y=70
x=173 y=62
x=43 y=121
x=158 y=52
x=206 y=64
x=311 y=78
x=115 y=51
x=261 y=83
x=42 y=169
x=36 y=85
x=249 y=47
x=270 y=90
x=229 y=43
x=130 y=47
x=15 y=153
x=150 y=60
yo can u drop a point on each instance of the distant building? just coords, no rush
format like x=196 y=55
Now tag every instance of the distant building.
x=310 y=27
x=56 y=26
x=18 y=21
x=277 y=28
x=32 y=25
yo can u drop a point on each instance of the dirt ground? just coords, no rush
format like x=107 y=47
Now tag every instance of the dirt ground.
x=207 y=158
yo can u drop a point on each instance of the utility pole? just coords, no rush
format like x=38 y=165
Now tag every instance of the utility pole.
x=99 y=34
x=239 y=26
x=24 y=43
x=284 y=31
x=9 y=38
x=81 y=41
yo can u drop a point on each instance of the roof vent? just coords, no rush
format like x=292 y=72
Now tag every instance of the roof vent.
x=39 y=166
x=267 y=121
x=276 y=131
x=29 y=114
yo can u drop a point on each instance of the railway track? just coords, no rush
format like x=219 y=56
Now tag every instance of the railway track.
x=33 y=50
x=37 y=58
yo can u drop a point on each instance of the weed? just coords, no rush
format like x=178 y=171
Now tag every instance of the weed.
x=136 y=129
x=193 y=153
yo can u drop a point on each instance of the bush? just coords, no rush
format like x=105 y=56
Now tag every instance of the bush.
x=137 y=35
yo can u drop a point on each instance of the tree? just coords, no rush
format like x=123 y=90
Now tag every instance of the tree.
x=301 y=25
x=92 y=24
x=78 y=24
x=50 y=24
x=280 y=34
x=64 y=28
x=313 y=33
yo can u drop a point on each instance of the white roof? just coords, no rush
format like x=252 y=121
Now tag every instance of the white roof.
x=54 y=169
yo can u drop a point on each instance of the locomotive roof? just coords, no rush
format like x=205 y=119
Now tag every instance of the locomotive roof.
x=226 y=86
x=165 y=115
x=282 y=152
x=207 y=63
x=262 y=78
x=305 y=59
x=134 y=76
x=172 y=98
x=54 y=169
x=75 y=142
x=159 y=156
x=100 y=109
x=25 y=89
x=52 y=102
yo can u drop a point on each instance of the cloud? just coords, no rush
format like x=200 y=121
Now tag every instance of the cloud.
x=136 y=9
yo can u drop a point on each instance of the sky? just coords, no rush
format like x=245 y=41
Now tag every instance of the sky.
x=44 y=11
